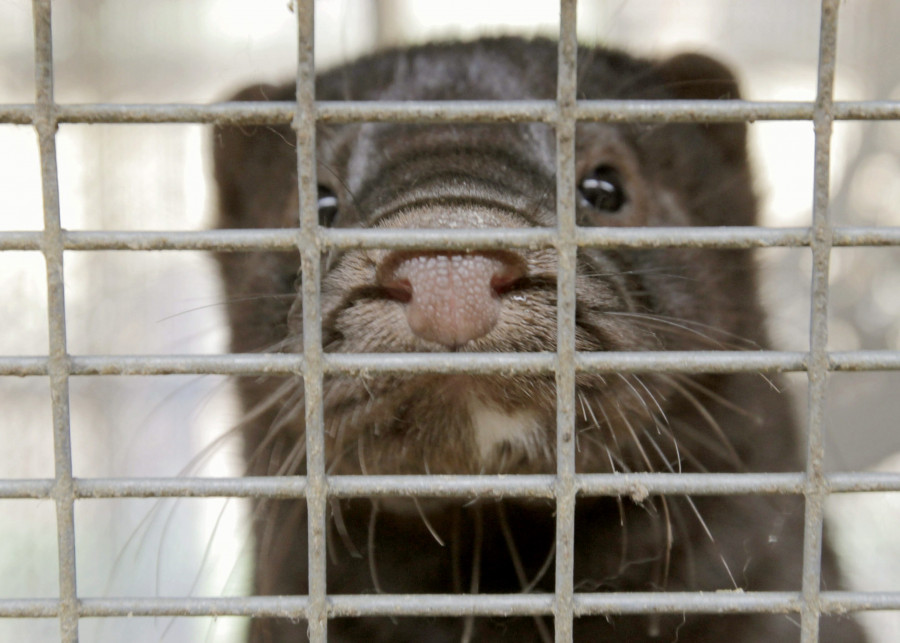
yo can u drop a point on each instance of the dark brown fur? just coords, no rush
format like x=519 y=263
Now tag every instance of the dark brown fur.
x=399 y=176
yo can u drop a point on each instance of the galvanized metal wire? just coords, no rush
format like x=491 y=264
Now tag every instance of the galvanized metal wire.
x=343 y=239
x=57 y=362
x=310 y=260
x=498 y=363
x=815 y=492
x=544 y=111
x=310 y=241
x=566 y=81
x=437 y=486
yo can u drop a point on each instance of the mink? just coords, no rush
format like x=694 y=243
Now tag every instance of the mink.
x=496 y=176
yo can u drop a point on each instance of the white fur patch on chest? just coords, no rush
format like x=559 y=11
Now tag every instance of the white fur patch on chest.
x=494 y=427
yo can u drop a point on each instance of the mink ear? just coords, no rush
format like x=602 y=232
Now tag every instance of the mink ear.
x=699 y=77
x=254 y=167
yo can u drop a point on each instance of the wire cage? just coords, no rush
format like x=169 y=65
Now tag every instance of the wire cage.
x=60 y=366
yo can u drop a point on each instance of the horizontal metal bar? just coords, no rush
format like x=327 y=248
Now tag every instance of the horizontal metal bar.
x=691 y=362
x=366 y=364
x=440 y=605
x=601 y=362
x=21 y=240
x=441 y=486
x=295 y=606
x=486 y=486
x=719 y=111
x=287 y=239
x=215 y=240
x=336 y=486
x=883 y=360
x=640 y=485
x=842 y=602
x=586 y=237
x=27 y=488
x=29 y=607
x=866 y=110
x=282 y=112
x=23 y=366
x=342 y=605
x=256 y=606
x=17 y=114
x=856 y=236
x=243 y=364
x=441 y=239
x=413 y=111
x=286 y=364
x=248 y=487
x=732 y=602
x=363 y=364
x=862 y=481
x=687 y=111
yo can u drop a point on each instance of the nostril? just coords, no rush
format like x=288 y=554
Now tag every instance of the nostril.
x=399 y=290
x=507 y=277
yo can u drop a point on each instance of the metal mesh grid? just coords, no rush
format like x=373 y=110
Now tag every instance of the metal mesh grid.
x=316 y=487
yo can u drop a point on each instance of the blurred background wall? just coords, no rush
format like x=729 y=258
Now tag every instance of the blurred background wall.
x=157 y=177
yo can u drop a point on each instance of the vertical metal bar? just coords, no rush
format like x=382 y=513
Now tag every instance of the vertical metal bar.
x=305 y=126
x=58 y=360
x=823 y=117
x=565 y=348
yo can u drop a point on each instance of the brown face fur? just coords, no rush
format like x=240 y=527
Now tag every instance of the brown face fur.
x=399 y=176
x=499 y=176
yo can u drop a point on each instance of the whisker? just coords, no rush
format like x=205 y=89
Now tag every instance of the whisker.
x=225 y=301
x=653 y=398
x=469 y=627
x=370 y=547
x=428 y=525
x=337 y=515
x=520 y=570
x=635 y=441
x=712 y=423
x=637 y=395
x=609 y=425
x=705 y=527
x=693 y=383
x=691 y=327
x=455 y=554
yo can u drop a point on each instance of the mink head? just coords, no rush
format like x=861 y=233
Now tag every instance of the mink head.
x=492 y=176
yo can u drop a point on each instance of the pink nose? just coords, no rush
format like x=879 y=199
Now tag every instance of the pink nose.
x=453 y=298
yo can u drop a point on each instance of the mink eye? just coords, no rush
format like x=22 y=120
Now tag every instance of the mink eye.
x=602 y=189
x=328 y=206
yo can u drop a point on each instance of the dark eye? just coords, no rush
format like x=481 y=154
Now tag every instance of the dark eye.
x=602 y=189
x=328 y=206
